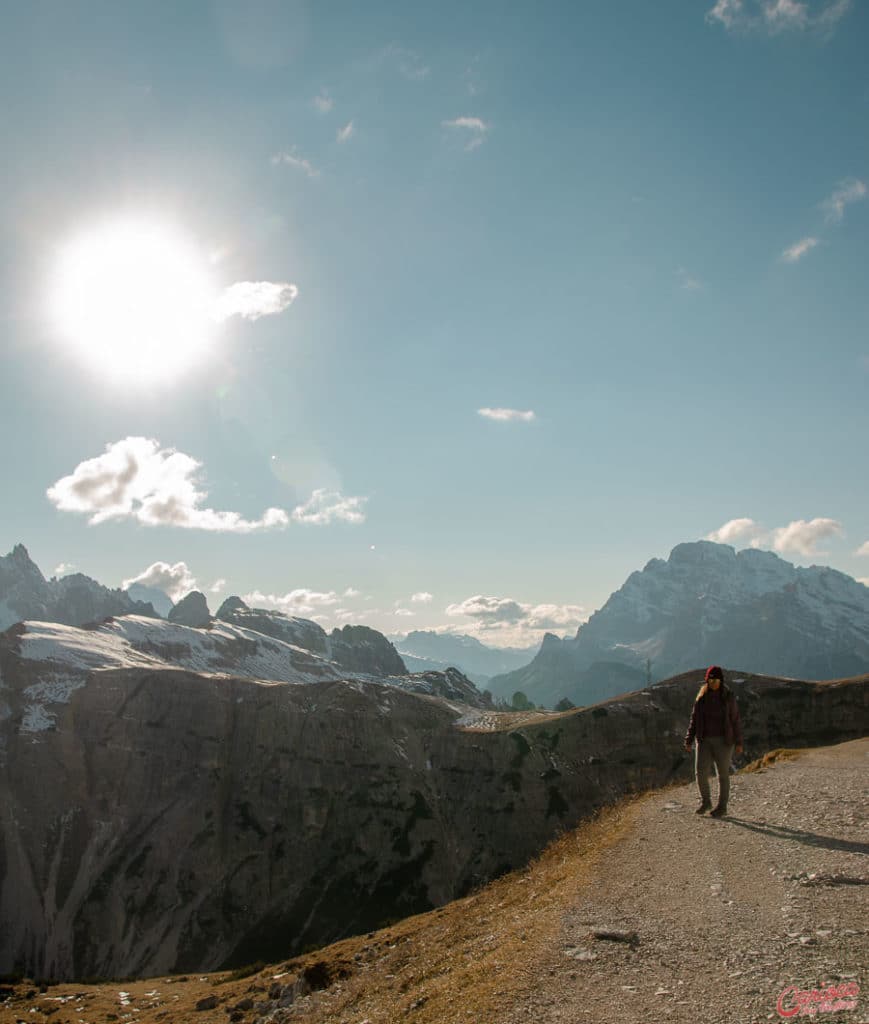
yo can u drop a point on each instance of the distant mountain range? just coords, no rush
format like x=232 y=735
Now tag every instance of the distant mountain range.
x=83 y=626
x=73 y=600
x=705 y=604
x=425 y=649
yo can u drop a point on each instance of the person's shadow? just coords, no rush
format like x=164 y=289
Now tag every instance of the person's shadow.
x=800 y=836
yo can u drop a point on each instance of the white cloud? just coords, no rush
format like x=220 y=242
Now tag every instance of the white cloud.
x=345 y=133
x=217 y=586
x=63 y=568
x=852 y=190
x=729 y=12
x=404 y=612
x=798 y=249
x=736 y=530
x=350 y=592
x=136 y=479
x=323 y=102
x=776 y=16
x=326 y=506
x=863 y=549
x=505 y=621
x=175 y=580
x=803 y=537
x=421 y=597
x=478 y=128
x=253 y=299
x=505 y=415
x=687 y=281
x=291 y=158
x=300 y=602
x=781 y=15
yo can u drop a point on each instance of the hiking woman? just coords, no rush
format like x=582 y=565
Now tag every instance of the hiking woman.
x=716 y=727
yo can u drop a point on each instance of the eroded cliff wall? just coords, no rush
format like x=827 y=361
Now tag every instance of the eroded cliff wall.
x=166 y=820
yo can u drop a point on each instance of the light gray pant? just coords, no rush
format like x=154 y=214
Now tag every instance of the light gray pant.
x=713 y=750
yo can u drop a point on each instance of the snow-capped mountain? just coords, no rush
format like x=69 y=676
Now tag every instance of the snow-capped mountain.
x=707 y=603
x=52 y=660
x=425 y=649
x=357 y=648
x=74 y=600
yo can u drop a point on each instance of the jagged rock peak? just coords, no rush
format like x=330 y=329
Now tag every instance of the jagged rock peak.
x=231 y=604
x=191 y=610
x=19 y=561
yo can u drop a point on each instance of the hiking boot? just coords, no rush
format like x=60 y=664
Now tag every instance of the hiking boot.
x=719 y=812
x=703 y=808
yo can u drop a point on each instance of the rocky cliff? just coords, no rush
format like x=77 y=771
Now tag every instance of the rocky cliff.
x=156 y=819
x=74 y=600
x=706 y=604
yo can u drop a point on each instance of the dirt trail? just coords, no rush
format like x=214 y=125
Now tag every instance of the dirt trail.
x=728 y=913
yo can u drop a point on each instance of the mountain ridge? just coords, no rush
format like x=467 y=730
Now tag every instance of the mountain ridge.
x=706 y=604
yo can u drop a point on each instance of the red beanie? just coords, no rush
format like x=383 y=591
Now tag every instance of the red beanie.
x=714 y=672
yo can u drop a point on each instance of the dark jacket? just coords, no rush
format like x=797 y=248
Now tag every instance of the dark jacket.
x=732 y=725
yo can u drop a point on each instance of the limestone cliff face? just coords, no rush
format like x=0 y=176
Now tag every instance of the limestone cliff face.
x=163 y=820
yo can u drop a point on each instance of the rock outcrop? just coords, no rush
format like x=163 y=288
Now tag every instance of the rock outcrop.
x=191 y=610
x=157 y=819
x=74 y=600
x=289 y=628
x=706 y=604
x=362 y=649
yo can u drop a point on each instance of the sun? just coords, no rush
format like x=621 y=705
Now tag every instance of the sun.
x=134 y=299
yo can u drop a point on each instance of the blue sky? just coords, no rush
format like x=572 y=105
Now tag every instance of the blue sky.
x=639 y=230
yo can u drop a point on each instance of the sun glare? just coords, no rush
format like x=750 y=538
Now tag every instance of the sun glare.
x=135 y=300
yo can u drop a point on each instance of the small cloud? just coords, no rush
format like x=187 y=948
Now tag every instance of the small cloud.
x=782 y=15
x=802 y=537
x=798 y=250
x=507 y=415
x=323 y=102
x=217 y=586
x=138 y=480
x=488 y=609
x=422 y=597
x=345 y=133
x=735 y=531
x=773 y=17
x=175 y=580
x=863 y=549
x=300 y=602
x=350 y=592
x=292 y=159
x=477 y=128
x=63 y=568
x=852 y=190
x=728 y=12
x=404 y=612
x=326 y=506
x=687 y=281
x=514 y=622
x=253 y=299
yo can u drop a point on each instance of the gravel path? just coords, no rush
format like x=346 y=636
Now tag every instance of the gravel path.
x=728 y=913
